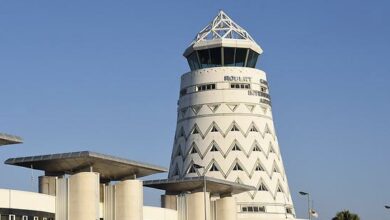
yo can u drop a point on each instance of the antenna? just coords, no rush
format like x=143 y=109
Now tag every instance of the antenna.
x=32 y=177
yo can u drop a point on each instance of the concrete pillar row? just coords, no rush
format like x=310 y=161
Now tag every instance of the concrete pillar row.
x=196 y=206
x=129 y=200
x=226 y=208
x=84 y=196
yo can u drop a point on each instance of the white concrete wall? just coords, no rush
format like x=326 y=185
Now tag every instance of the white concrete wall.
x=84 y=196
x=194 y=109
x=129 y=200
x=15 y=199
x=155 y=213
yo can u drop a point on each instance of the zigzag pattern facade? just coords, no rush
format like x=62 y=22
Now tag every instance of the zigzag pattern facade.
x=225 y=124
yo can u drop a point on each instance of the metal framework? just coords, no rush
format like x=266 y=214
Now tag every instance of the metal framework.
x=222 y=27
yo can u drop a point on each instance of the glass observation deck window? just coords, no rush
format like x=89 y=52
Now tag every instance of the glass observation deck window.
x=240 y=57
x=222 y=56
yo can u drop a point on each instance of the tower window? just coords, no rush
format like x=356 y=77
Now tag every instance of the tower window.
x=228 y=54
x=214 y=168
x=259 y=168
x=205 y=87
x=237 y=167
x=194 y=151
x=262 y=187
x=240 y=86
x=252 y=59
x=193 y=61
x=236 y=148
x=253 y=209
x=192 y=169
x=214 y=148
x=234 y=128
x=253 y=129
x=256 y=148
x=240 y=56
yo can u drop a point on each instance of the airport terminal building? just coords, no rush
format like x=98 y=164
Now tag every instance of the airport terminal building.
x=225 y=164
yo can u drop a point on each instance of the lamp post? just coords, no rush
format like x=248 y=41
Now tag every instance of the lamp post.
x=197 y=166
x=308 y=202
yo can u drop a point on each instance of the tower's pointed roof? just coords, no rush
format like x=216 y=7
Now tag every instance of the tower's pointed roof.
x=223 y=30
x=222 y=27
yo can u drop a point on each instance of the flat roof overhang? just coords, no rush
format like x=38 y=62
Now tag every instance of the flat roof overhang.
x=6 y=139
x=109 y=167
x=195 y=184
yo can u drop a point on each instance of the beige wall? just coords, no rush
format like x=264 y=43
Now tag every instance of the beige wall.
x=226 y=209
x=84 y=196
x=47 y=185
x=129 y=200
x=155 y=213
x=195 y=206
x=15 y=199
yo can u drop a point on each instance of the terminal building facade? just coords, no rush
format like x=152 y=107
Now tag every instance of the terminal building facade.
x=225 y=165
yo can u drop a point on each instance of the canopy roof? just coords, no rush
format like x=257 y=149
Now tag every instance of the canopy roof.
x=223 y=31
x=6 y=139
x=110 y=168
x=195 y=184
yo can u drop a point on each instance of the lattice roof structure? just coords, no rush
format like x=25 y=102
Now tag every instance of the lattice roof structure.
x=223 y=31
x=222 y=27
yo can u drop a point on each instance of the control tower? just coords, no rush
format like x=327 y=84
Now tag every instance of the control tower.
x=224 y=127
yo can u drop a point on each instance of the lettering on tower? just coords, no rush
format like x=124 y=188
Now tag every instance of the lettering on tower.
x=238 y=78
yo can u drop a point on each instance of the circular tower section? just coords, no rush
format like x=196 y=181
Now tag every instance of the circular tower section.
x=224 y=122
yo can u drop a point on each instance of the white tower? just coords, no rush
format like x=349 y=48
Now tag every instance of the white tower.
x=225 y=123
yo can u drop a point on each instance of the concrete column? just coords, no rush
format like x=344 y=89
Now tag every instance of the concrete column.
x=84 y=196
x=47 y=185
x=129 y=200
x=226 y=208
x=196 y=206
x=169 y=201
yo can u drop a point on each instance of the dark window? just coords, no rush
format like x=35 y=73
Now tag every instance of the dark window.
x=237 y=167
x=240 y=56
x=259 y=168
x=240 y=86
x=262 y=187
x=214 y=129
x=256 y=148
x=214 y=148
x=204 y=58
x=194 y=151
x=252 y=59
x=193 y=61
x=236 y=148
x=234 y=128
x=192 y=169
x=215 y=55
x=228 y=56
x=205 y=87
x=214 y=168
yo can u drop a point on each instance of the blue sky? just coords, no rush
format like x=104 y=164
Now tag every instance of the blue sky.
x=104 y=76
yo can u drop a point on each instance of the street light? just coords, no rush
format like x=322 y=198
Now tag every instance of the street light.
x=197 y=166
x=308 y=202
x=387 y=206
